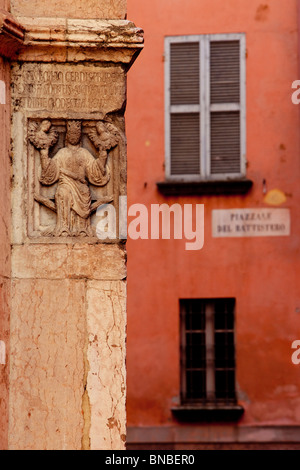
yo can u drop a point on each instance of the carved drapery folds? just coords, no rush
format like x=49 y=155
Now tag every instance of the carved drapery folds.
x=73 y=165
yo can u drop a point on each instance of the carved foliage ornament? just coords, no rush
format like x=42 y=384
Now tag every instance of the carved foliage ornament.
x=73 y=168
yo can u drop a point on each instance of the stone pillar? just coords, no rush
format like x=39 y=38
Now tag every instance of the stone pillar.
x=4 y=249
x=11 y=38
x=68 y=286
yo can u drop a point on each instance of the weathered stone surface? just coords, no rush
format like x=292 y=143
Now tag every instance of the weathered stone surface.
x=68 y=316
x=11 y=35
x=106 y=381
x=19 y=183
x=59 y=95
x=5 y=231
x=4 y=363
x=47 y=364
x=77 y=40
x=69 y=174
x=75 y=9
x=62 y=90
x=92 y=32
x=61 y=261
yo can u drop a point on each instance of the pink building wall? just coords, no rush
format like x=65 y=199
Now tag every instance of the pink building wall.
x=261 y=273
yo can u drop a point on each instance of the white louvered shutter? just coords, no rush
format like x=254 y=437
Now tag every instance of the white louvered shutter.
x=205 y=107
x=225 y=118
x=185 y=111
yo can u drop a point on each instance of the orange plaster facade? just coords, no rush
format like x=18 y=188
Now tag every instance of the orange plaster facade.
x=262 y=273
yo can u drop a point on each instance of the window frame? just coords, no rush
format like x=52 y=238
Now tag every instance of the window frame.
x=210 y=399
x=205 y=108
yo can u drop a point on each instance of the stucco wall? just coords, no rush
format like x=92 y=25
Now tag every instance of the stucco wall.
x=261 y=273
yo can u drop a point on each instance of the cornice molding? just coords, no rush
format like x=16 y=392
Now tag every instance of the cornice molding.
x=76 y=40
x=12 y=35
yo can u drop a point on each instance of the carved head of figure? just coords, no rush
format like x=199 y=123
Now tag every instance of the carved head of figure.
x=103 y=135
x=73 y=132
x=45 y=125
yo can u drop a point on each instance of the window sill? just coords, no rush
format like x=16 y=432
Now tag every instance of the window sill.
x=225 y=187
x=208 y=412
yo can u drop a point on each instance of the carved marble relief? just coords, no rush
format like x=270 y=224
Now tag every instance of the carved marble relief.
x=73 y=173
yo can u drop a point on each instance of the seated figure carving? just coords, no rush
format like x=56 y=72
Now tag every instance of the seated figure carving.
x=73 y=168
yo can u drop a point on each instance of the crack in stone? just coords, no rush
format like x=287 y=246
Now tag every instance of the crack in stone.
x=86 y=406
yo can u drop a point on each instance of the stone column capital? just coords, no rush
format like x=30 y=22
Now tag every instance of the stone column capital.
x=80 y=40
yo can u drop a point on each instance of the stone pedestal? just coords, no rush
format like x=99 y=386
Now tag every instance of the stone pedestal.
x=68 y=286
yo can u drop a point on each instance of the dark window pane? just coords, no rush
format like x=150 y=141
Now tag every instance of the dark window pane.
x=224 y=350
x=195 y=350
x=225 y=385
x=195 y=315
x=224 y=312
x=208 y=323
x=195 y=385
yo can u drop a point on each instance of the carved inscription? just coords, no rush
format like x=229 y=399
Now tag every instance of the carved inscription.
x=260 y=222
x=64 y=88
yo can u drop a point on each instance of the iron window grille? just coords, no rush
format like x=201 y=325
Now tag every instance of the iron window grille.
x=207 y=351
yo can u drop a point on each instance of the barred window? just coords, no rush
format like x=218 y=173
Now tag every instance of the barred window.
x=207 y=351
x=205 y=107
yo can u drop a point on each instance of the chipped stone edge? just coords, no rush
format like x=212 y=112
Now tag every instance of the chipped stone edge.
x=74 y=40
x=12 y=35
x=85 y=404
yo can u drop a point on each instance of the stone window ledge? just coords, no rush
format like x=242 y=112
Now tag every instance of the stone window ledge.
x=208 y=412
x=224 y=187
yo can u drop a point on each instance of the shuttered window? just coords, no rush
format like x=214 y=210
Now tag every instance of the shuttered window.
x=205 y=107
x=207 y=351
